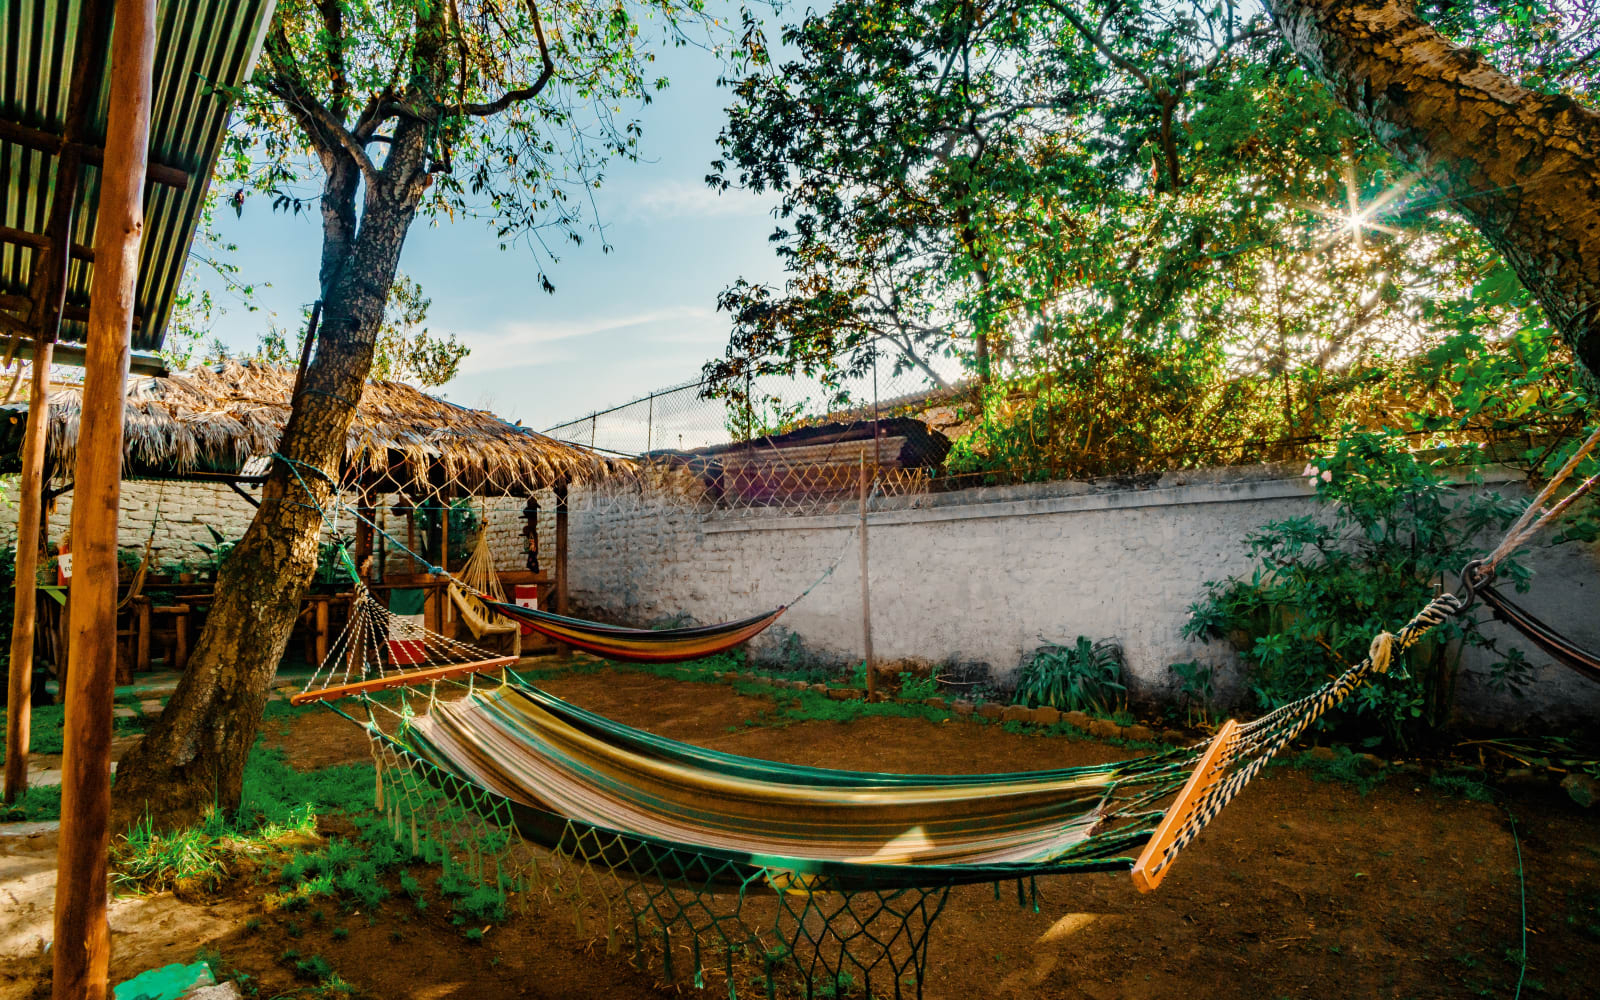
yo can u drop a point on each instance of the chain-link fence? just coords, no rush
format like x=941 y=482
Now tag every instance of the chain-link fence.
x=776 y=441
x=772 y=441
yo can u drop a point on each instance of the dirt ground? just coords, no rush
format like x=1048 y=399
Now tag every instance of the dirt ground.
x=1300 y=889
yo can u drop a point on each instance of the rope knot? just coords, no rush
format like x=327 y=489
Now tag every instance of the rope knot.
x=1381 y=651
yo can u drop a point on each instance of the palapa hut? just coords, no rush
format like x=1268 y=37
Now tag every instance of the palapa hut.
x=222 y=424
x=212 y=422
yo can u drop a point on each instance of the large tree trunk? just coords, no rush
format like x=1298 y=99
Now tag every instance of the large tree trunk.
x=1521 y=166
x=193 y=758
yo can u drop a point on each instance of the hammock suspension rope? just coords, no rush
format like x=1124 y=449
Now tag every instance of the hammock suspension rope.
x=766 y=871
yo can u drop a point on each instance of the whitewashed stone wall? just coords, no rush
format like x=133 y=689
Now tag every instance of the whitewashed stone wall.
x=981 y=576
x=182 y=511
x=988 y=575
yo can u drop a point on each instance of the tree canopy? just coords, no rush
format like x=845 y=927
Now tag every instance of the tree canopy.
x=1133 y=219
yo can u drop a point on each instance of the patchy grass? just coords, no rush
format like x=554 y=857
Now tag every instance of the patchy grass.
x=36 y=805
x=279 y=805
x=46 y=722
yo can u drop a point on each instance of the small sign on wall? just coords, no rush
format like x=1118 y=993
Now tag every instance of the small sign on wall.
x=527 y=596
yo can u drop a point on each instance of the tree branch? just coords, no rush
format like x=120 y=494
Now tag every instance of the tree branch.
x=1521 y=166
x=527 y=93
x=322 y=128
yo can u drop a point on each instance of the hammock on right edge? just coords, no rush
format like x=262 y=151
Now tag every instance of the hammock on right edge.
x=1564 y=650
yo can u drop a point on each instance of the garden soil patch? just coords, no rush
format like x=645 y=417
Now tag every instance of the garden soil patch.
x=1300 y=889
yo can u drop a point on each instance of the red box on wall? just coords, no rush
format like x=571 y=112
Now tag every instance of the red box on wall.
x=526 y=596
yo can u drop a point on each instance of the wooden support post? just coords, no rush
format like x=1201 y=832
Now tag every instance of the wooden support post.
x=82 y=944
x=561 y=548
x=320 y=602
x=141 y=607
x=363 y=535
x=180 y=642
x=382 y=540
x=444 y=537
x=560 y=491
x=411 y=537
x=19 y=693
x=866 y=588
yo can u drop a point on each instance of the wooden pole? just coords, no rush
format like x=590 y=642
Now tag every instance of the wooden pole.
x=561 y=557
x=382 y=540
x=82 y=948
x=866 y=588
x=364 y=533
x=411 y=537
x=19 y=694
x=561 y=548
x=444 y=536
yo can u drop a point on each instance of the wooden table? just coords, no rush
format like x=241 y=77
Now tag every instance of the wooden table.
x=169 y=626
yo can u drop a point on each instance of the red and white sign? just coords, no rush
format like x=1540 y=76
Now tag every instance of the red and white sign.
x=406 y=646
x=527 y=596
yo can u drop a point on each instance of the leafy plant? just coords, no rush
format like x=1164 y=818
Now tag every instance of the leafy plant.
x=461 y=518
x=915 y=688
x=1083 y=677
x=1195 y=690
x=217 y=552
x=332 y=569
x=1393 y=526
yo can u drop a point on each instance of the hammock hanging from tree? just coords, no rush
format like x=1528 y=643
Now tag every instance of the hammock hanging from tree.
x=732 y=853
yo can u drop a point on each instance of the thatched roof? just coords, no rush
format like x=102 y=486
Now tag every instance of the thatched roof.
x=216 y=419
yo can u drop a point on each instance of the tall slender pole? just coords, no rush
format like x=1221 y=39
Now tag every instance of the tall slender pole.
x=866 y=588
x=82 y=946
x=561 y=556
x=19 y=704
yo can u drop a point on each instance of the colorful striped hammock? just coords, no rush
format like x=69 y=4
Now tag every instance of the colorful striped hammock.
x=670 y=838
x=555 y=764
x=638 y=645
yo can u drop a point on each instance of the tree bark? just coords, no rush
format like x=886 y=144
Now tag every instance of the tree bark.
x=193 y=758
x=1521 y=166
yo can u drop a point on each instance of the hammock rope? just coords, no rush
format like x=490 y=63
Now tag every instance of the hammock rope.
x=478 y=604
x=831 y=877
x=1477 y=576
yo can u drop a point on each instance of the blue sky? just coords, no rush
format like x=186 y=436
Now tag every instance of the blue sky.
x=619 y=325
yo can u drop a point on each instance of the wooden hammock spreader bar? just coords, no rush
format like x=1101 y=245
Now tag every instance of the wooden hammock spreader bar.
x=1153 y=863
x=401 y=680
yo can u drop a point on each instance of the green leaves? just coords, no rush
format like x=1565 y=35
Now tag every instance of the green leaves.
x=1086 y=677
x=1392 y=526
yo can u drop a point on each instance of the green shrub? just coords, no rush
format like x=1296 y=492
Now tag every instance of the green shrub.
x=1391 y=530
x=1083 y=677
x=915 y=688
x=1195 y=690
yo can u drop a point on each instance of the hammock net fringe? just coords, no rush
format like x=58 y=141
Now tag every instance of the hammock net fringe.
x=770 y=878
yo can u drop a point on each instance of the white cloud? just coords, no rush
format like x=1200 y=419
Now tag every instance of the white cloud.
x=680 y=199
x=556 y=339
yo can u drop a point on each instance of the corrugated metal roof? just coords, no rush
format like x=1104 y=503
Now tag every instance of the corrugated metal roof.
x=203 y=49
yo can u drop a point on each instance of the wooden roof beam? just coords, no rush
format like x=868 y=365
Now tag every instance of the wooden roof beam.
x=21 y=303
x=39 y=241
x=49 y=142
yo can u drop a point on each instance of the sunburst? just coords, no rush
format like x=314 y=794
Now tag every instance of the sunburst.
x=1355 y=219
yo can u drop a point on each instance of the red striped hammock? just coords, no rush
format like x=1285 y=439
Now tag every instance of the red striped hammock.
x=638 y=645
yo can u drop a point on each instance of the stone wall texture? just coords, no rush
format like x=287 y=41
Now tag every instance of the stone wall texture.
x=974 y=577
x=986 y=576
x=181 y=513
